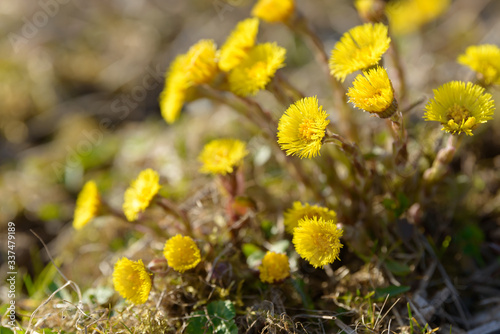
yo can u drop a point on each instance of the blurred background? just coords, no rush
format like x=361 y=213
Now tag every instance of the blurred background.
x=80 y=80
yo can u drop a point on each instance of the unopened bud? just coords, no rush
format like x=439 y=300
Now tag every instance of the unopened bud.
x=158 y=265
x=445 y=155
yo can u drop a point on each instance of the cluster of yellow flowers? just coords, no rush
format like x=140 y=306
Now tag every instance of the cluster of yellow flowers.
x=316 y=236
x=132 y=280
x=460 y=107
x=247 y=67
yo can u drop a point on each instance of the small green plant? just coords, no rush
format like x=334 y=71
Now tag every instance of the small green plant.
x=217 y=317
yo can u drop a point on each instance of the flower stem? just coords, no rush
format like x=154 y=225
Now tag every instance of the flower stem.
x=295 y=93
x=444 y=157
x=170 y=207
x=396 y=123
x=396 y=60
x=350 y=149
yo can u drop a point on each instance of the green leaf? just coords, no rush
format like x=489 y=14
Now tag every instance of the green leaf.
x=404 y=204
x=268 y=227
x=248 y=249
x=223 y=309
x=397 y=268
x=5 y=330
x=220 y=319
x=389 y=204
x=253 y=253
x=98 y=296
x=280 y=246
x=391 y=291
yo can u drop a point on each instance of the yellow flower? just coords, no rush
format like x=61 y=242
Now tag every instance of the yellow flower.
x=273 y=10
x=197 y=66
x=181 y=253
x=302 y=127
x=140 y=193
x=274 y=268
x=221 y=156
x=372 y=92
x=238 y=44
x=317 y=240
x=406 y=16
x=174 y=94
x=131 y=280
x=87 y=204
x=358 y=49
x=364 y=6
x=299 y=211
x=201 y=62
x=257 y=69
x=460 y=107
x=485 y=60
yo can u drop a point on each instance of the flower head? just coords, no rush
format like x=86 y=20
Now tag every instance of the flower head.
x=201 y=62
x=406 y=16
x=485 y=60
x=131 y=280
x=372 y=92
x=317 y=240
x=87 y=204
x=370 y=10
x=238 y=44
x=460 y=107
x=302 y=127
x=360 y=48
x=221 y=156
x=274 y=10
x=197 y=66
x=181 y=253
x=140 y=193
x=257 y=69
x=174 y=94
x=274 y=268
x=299 y=211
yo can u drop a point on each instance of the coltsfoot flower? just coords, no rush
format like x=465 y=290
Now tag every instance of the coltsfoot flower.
x=370 y=10
x=181 y=253
x=87 y=205
x=359 y=49
x=131 y=280
x=238 y=44
x=257 y=69
x=299 y=211
x=222 y=156
x=485 y=60
x=406 y=16
x=460 y=107
x=197 y=66
x=274 y=10
x=174 y=94
x=317 y=240
x=274 y=268
x=140 y=193
x=302 y=127
x=201 y=62
x=372 y=91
